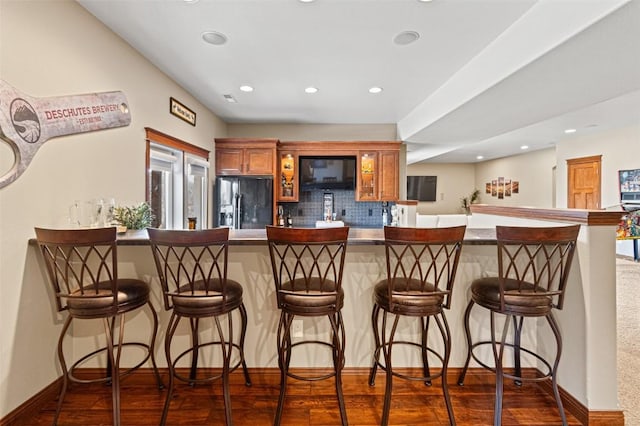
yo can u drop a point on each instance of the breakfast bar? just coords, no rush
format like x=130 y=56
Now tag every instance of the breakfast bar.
x=587 y=370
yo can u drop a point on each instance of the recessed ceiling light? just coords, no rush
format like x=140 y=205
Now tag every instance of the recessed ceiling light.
x=375 y=89
x=311 y=90
x=406 y=37
x=424 y=1
x=570 y=131
x=524 y=147
x=230 y=98
x=214 y=37
x=246 y=88
x=479 y=157
x=306 y=1
x=196 y=1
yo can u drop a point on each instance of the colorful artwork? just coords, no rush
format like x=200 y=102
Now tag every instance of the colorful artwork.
x=502 y=187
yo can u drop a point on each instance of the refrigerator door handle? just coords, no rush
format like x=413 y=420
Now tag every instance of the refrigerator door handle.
x=237 y=211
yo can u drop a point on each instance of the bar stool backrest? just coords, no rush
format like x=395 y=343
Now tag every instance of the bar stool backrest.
x=535 y=262
x=422 y=262
x=310 y=259
x=190 y=263
x=81 y=264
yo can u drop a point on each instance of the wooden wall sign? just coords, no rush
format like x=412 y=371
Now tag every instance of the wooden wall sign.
x=182 y=112
x=26 y=122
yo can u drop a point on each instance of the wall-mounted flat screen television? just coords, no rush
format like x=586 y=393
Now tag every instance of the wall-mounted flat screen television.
x=421 y=188
x=327 y=172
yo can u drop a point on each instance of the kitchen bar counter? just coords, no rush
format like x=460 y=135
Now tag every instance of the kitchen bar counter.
x=359 y=236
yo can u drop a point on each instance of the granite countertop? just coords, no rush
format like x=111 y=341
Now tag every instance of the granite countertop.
x=365 y=236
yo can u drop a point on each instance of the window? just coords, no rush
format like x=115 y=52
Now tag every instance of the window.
x=177 y=184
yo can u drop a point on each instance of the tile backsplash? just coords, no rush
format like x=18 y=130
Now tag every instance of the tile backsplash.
x=356 y=213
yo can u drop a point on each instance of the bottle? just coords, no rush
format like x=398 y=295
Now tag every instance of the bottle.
x=280 y=216
x=384 y=217
x=289 y=220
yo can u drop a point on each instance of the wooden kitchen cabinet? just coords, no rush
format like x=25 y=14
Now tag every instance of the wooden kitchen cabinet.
x=388 y=176
x=378 y=176
x=288 y=176
x=367 y=179
x=240 y=157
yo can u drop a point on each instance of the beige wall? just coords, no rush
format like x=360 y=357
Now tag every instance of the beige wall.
x=315 y=132
x=56 y=48
x=620 y=149
x=533 y=171
x=455 y=181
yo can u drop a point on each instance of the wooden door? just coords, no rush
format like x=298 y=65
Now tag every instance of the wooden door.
x=583 y=178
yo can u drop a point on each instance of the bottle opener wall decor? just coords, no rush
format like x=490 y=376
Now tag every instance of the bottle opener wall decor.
x=26 y=122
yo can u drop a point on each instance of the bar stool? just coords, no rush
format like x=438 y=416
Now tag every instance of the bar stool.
x=421 y=269
x=307 y=269
x=192 y=268
x=533 y=267
x=82 y=267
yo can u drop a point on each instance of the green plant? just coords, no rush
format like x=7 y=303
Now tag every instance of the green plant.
x=467 y=201
x=134 y=217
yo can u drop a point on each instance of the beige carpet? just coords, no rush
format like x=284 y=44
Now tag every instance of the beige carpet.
x=628 y=300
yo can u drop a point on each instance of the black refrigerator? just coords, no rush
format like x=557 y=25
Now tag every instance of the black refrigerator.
x=243 y=202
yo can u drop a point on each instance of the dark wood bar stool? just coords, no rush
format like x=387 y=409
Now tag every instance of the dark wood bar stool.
x=82 y=266
x=533 y=267
x=421 y=269
x=307 y=270
x=192 y=268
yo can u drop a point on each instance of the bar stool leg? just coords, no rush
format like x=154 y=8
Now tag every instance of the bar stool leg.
x=171 y=329
x=152 y=346
x=443 y=325
x=378 y=344
x=63 y=366
x=467 y=332
x=425 y=359
x=284 y=357
x=338 y=361
x=115 y=364
x=554 y=379
x=497 y=356
x=195 y=341
x=387 y=345
x=243 y=333
x=517 y=332
x=226 y=357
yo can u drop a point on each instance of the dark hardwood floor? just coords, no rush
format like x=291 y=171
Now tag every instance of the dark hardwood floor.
x=307 y=403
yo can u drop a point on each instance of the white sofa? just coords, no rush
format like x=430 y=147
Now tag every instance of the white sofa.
x=440 y=220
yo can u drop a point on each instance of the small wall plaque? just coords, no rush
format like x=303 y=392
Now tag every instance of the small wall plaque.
x=182 y=112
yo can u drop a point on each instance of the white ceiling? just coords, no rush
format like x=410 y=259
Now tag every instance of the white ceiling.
x=484 y=78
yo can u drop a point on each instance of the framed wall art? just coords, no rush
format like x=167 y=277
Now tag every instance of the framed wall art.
x=181 y=111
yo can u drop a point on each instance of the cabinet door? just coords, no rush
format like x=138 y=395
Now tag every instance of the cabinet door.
x=258 y=161
x=288 y=177
x=367 y=169
x=388 y=176
x=229 y=161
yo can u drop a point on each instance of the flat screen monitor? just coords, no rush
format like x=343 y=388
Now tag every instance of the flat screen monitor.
x=421 y=188
x=629 y=185
x=327 y=172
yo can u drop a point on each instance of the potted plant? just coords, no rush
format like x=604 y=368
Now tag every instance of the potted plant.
x=467 y=201
x=134 y=217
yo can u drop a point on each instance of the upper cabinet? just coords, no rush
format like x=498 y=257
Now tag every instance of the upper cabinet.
x=236 y=156
x=389 y=175
x=288 y=167
x=378 y=175
x=367 y=179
